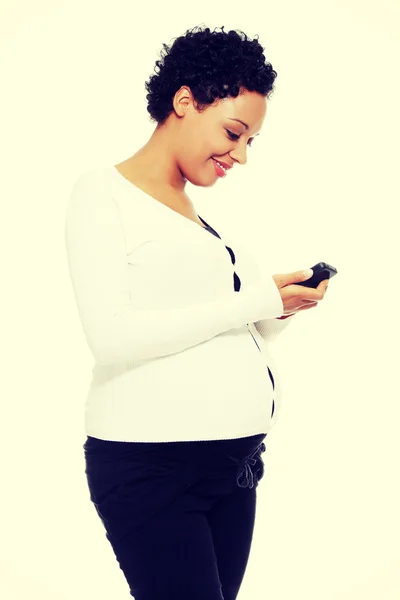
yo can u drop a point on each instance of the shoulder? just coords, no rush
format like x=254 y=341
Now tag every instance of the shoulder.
x=98 y=178
x=91 y=187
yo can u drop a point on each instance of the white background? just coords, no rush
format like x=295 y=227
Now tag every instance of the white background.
x=320 y=184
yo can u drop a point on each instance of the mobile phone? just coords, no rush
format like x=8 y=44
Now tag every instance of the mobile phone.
x=321 y=271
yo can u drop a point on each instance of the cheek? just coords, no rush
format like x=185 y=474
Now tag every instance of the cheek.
x=207 y=144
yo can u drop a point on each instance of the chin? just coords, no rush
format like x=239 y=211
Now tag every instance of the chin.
x=204 y=182
x=201 y=183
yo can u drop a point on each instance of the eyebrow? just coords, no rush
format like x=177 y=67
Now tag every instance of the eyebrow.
x=243 y=123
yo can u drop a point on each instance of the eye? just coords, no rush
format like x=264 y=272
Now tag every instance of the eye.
x=233 y=136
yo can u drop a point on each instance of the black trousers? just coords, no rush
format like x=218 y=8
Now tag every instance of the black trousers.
x=179 y=515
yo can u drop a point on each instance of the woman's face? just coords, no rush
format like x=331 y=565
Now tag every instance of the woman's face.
x=215 y=133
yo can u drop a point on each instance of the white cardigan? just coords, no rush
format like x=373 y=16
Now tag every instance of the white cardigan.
x=175 y=357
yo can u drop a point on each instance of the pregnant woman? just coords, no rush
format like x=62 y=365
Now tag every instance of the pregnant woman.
x=178 y=318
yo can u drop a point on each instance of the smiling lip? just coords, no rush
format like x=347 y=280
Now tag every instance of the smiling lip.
x=224 y=164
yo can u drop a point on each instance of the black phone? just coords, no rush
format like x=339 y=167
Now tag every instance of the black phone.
x=321 y=271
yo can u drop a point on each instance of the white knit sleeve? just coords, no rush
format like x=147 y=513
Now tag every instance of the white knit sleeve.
x=116 y=331
x=270 y=329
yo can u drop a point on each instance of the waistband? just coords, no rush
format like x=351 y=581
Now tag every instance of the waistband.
x=245 y=452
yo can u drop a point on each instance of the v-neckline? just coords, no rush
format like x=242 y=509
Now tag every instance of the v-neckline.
x=161 y=204
x=207 y=226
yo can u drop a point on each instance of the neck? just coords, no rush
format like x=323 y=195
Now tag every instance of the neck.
x=156 y=161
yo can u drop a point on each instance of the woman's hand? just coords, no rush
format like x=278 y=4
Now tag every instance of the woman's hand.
x=298 y=297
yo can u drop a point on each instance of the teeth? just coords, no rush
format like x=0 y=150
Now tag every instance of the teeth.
x=222 y=167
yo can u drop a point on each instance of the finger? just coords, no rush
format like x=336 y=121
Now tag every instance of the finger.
x=323 y=285
x=305 y=293
x=320 y=291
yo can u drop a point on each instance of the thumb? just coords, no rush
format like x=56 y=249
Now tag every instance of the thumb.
x=282 y=280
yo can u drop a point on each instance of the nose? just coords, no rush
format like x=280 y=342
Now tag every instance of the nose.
x=239 y=154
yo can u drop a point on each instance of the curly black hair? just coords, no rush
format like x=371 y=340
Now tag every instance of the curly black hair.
x=213 y=65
